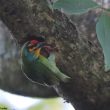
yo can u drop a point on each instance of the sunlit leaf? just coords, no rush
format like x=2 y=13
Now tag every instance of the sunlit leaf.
x=103 y=33
x=49 y=104
x=75 y=6
x=4 y=107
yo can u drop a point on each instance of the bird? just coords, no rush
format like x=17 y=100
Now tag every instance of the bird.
x=39 y=65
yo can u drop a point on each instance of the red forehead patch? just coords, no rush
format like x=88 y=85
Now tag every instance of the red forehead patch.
x=34 y=41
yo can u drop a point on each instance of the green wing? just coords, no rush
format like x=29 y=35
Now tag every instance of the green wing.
x=51 y=65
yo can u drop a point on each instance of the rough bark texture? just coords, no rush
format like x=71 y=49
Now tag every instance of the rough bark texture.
x=80 y=53
x=11 y=76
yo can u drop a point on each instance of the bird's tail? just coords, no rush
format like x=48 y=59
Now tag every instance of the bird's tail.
x=65 y=78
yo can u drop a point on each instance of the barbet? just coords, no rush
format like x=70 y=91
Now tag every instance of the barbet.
x=38 y=63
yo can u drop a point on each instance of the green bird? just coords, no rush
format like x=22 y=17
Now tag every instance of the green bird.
x=38 y=64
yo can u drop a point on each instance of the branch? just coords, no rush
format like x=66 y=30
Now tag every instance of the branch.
x=80 y=58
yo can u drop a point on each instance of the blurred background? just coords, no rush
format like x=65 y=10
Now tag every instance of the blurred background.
x=16 y=102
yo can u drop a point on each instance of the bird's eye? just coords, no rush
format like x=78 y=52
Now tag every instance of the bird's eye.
x=45 y=51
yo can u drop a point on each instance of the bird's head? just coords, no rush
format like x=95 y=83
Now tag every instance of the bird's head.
x=38 y=48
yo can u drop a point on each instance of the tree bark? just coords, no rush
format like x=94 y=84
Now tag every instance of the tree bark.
x=12 y=78
x=80 y=53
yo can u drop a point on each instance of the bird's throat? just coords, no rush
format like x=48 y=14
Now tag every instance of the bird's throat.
x=37 y=52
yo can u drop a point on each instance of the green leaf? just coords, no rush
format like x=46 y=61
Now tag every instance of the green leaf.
x=103 y=34
x=4 y=106
x=108 y=9
x=75 y=6
x=48 y=104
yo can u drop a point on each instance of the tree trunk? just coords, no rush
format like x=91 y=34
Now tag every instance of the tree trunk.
x=80 y=53
x=12 y=78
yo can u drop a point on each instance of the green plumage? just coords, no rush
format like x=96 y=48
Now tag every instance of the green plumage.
x=41 y=69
